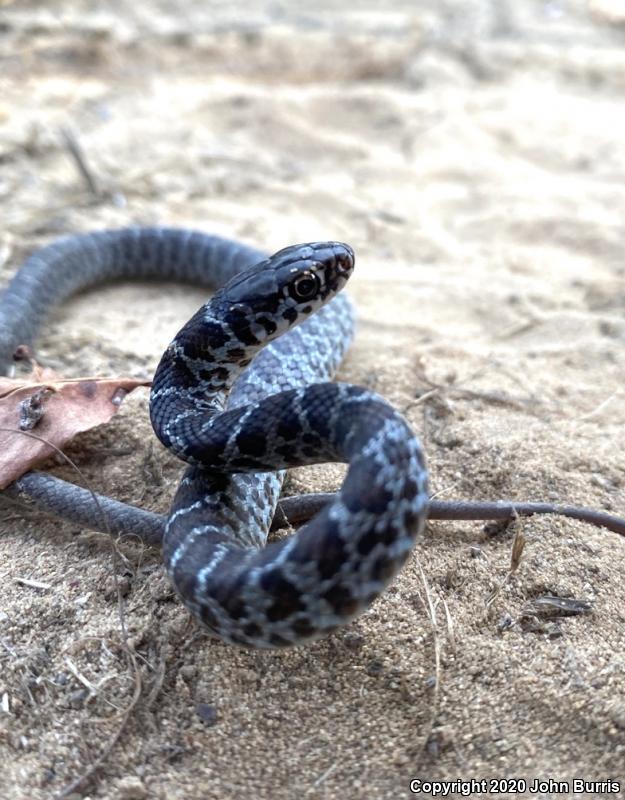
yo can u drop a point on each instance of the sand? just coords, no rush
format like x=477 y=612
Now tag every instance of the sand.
x=472 y=153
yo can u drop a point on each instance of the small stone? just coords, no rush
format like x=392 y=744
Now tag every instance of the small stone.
x=161 y=589
x=47 y=776
x=111 y=587
x=505 y=622
x=601 y=481
x=77 y=698
x=354 y=641
x=187 y=672
x=375 y=667
x=207 y=713
x=131 y=788
x=440 y=739
x=616 y=713
x=553 y=630
x=247 y=675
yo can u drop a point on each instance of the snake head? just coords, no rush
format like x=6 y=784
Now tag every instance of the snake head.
x=282 y=291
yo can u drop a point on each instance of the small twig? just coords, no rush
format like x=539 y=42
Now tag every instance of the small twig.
x=80 y=677
x=294 y=511
x=301 y=508
x=32 y=584
x=78 y=156
x=461 y=510
x=323 y=776
x=430 y=607
x=10 y=650
x=601 y=407
x=157 y=683
x=451 y=631
x=455 y=387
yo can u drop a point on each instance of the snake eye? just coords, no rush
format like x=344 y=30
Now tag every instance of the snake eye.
x=304 y=287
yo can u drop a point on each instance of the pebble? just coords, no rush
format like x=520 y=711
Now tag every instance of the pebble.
x=131 y=788
x=77 y=698
x=207 y=713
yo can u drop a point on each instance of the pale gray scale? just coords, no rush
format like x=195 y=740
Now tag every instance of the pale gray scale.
x=174 y=424
x=209 y=317
x=257 y=601
x=337 y=410
x=389 y=432
x=178 y=445
x=198 y=367
x=304 y=576
x=255 y=389
x=244 y=535
x=258 y=515
x=226 y=521
x=180 y=512
x=221 y=551
x=351 y=524
x=292 y=361
x=231 y=449
x=255 y=497
x=187 y=541
x=300 y=412
x=166 y=392
x=258 y=331
x=321 y=613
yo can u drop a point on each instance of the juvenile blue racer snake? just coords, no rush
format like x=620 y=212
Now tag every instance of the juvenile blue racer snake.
x=241 y=394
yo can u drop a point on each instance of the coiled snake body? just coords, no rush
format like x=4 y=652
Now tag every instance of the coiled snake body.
x=239 y=429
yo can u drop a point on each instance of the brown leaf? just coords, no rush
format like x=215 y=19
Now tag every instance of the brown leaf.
x=54 y=409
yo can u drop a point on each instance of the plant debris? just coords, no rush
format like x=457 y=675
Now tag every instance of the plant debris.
x=57 y=408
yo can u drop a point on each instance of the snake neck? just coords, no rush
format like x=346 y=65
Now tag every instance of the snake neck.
x=199 y=367
x=201 y=364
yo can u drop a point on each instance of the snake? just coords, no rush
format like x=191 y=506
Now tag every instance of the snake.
x=243 y=392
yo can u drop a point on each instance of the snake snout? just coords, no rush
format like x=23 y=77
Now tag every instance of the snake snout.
x=344 y=258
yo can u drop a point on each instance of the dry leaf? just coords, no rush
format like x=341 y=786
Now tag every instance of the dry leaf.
x=52 y=408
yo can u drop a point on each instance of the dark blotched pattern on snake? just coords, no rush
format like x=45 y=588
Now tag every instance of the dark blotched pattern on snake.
x=240 y=426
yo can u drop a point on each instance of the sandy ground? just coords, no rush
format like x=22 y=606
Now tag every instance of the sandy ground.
x=473 y=155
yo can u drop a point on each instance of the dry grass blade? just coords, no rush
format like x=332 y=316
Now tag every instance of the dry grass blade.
x=518 y=545
x=430 y=606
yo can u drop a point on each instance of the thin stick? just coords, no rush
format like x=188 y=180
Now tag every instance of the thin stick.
x=302 y=507
x=291 y=511
x=430 y=607
x=78 y=156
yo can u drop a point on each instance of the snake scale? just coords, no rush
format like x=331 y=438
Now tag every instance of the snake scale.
x=242 y=393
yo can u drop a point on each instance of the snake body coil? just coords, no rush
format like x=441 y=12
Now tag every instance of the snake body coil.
x=240 y=429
